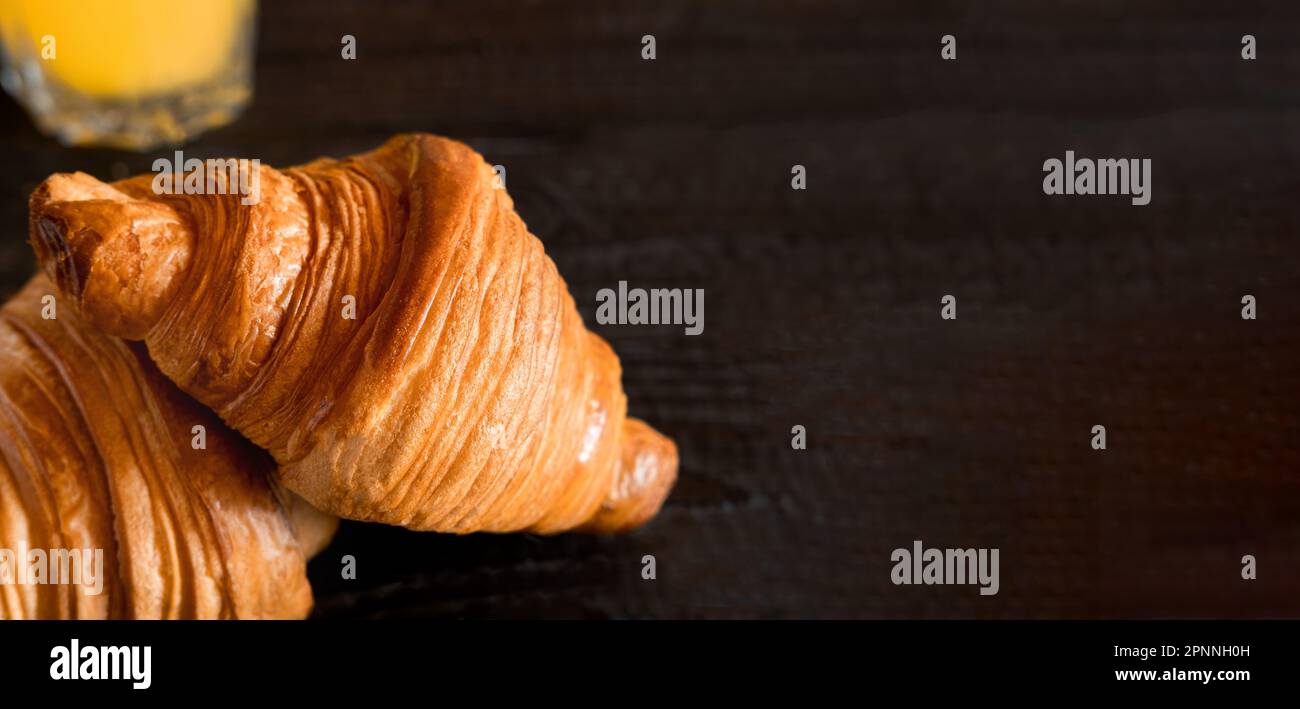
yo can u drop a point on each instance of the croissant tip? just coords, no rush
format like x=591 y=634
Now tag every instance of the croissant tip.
x=646 y=474
x=49 y=232
x=118 y=256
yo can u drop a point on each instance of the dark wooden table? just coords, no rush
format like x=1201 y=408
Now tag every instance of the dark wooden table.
x=924 y=179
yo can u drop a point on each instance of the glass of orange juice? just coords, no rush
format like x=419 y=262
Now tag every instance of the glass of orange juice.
x=132 y=74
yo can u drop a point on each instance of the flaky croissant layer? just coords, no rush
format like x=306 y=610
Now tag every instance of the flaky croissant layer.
x=462 y=393
x=99 y=466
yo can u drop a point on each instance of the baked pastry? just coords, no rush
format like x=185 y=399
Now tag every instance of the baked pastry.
x=97 y=452
x=465 y=394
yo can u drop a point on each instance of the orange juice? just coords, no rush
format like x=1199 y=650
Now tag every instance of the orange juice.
x=110 y=57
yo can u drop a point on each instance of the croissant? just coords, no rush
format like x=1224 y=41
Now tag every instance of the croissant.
x=96 y=454
x=465 y=394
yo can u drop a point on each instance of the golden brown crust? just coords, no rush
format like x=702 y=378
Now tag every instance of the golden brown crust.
x=95 y=453
x=465 y=395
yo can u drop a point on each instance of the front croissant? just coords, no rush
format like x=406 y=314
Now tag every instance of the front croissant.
x=107 y=508
x=463 y=394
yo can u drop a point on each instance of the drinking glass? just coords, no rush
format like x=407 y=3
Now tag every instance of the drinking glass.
x=133 y=74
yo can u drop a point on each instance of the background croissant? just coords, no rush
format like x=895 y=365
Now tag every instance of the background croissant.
x=465 y=395
x=96 y=454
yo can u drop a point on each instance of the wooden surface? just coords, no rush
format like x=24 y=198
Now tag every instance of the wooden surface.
x=822 y=306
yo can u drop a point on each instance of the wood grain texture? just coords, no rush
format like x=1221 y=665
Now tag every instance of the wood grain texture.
x=822 y=305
